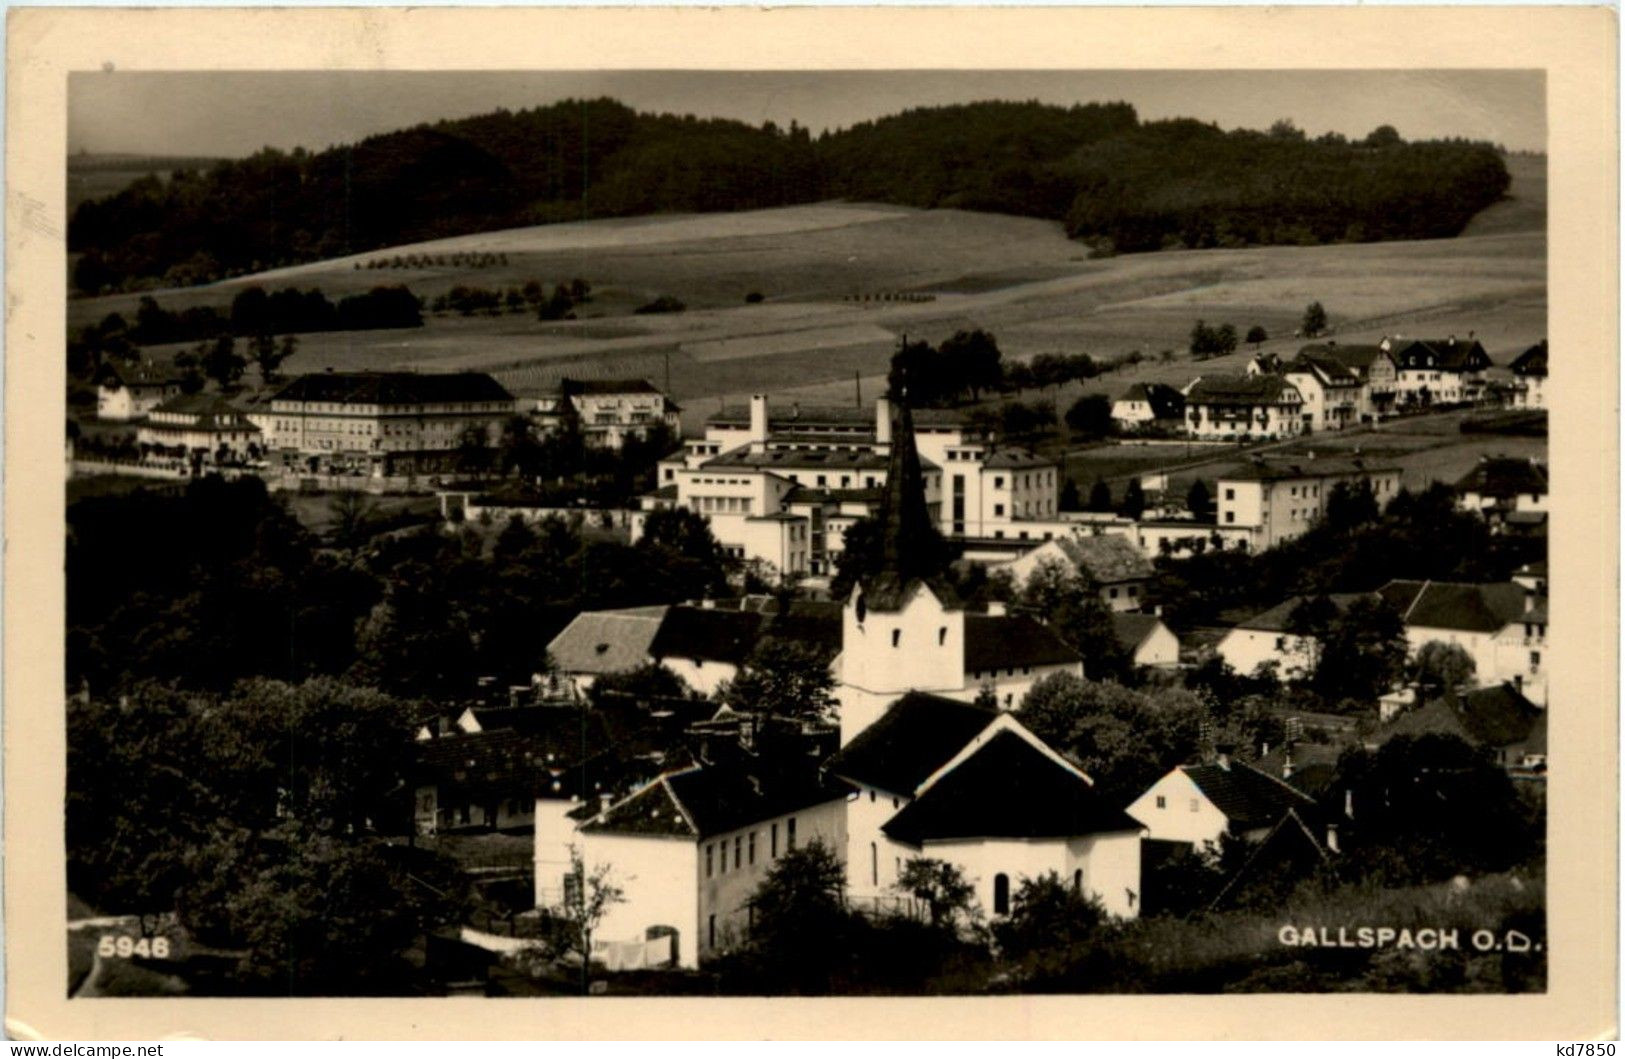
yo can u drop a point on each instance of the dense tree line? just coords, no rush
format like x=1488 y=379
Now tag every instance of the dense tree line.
x=229 y=585
x=1120 y=183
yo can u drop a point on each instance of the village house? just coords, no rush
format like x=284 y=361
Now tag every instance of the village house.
x=1498 y=718
x=1438 y=371
x=126 y=392
x=606 y=411
x=1333 y=394
x=689 y=849
x=1272 y=636
x=783 y=487
x=598 y=643
x=198 y=426
x=383 y=423
x=1373 y=365
x=1200 y=804
x=1501 y=487
x=957 y=782
x=1529 y=377
x=1146 y=639
x=1501 y=626
x=1277 y=500
x=1147 y=405
x=1258 y=407
x=1112 y=563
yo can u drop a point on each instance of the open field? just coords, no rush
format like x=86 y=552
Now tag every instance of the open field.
x=1020 y=278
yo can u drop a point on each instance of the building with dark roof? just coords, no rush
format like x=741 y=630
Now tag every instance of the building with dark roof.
x=1500 y=486
x=1145 y=639
x=1273 y=500
x=1498 y=718
x=1200 y=803
x=1501 y=626
x=384 y=423
x=1113 y=563
x=1148 y=404
x=1333 y=393
x=199 y=425
x=1439 y=371
x=126 y=392
x=607 y=411
x=1242 y=407
x=1529 y=377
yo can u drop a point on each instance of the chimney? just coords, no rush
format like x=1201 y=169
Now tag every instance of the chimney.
x=758 y=421
x=1221 y=755
x=1286 y=766
x=995 y=609
x=882 y=421
x=1331 y=838
x=604 y=798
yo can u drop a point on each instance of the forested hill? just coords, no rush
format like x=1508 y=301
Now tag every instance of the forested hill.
x=1120 y=183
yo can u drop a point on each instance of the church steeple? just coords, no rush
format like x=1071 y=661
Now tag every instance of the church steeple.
x=911 y=549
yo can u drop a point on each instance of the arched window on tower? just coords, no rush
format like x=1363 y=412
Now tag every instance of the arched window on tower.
x=1001 y=894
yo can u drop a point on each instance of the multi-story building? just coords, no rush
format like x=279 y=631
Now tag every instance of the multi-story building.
x=1373 y=366
x=607 y=411
x=383 y=423
x=1529 y=375
x=1257 y=407
x=1333 y=394
x=1149 y=404
x=783 y=487
x=1438 y=371
x=126 y=392
x=1502 y=486
x=1277 y=500
x=199 y=425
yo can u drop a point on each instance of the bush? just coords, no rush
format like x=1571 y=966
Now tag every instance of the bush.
x=663 y=304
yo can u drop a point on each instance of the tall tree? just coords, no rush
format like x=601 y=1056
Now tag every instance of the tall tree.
x=784 y=678
x=1364 y=652
x=1314 y=320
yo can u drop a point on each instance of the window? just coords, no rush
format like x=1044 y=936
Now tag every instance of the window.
x=1162 y=801
x=738 y=844
x=1229 y=494
x=750 y=849
x=998 y=510
x=871 y=796
x=998 y=482
x=874 y=864
x=1077 y=881
x=1112 y=592
x=790 y=833
x=896 y=637
x=711 y=930
x=773 y=843
x=1001 y=894
x=1230 y=516
x=707 y=861
x=942 y=636
x=1195 y=806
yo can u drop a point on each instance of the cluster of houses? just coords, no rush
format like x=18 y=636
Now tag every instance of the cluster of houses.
x=926 y=757
x=1330 y=386
x=367 y=424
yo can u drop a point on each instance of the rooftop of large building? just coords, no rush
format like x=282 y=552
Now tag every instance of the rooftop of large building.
x=394 y=388
x=806 y=417
x=1301 y=466
x=1242 y=390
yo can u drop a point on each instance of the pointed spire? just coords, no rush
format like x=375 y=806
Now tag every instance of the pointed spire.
x=911 y=548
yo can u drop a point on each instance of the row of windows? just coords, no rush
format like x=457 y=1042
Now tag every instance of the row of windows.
x=744 y=849
x=1162 y=803
x=737 y=505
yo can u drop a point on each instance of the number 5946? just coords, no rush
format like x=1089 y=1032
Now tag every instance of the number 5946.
x=123 y=946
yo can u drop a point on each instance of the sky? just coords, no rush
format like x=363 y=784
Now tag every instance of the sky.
x=231 y=114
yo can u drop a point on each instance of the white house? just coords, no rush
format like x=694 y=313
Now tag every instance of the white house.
x=1529 y=377
x=199 y=424
x=1501 y=625
x=1200 y=803
x=1242 y=407
x=1148 y=404
x=607 y=411
x=1268 y=636
x=953 y=781
x=1146 y=639
x=1438 y=371
x=127 y=392
x=1374 y=367
x=689 y=849
x=1500 y=486
x=1112 y=562
x=1275 y=500
x=598 y=643
x=1333 y=394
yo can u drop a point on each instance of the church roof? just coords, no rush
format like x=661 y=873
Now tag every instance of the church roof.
x=917 y=735
x=911 y=548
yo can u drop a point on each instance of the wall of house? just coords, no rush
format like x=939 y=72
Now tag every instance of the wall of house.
x=1010 y=684
x=703 y=675
x=1174 y=809
x=983 y=860
x=920 y=647
x=659 y=877
x=1149 y=536
x=1110 y=864
x=554 y=835
x=1521 y=658
x=1161 y=648
x=873 y=860
x=1245 y=649
x=727 y=884
x=1481 y=645
x=1132 y=413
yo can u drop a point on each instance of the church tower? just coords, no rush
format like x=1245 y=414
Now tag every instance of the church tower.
x=903 y=627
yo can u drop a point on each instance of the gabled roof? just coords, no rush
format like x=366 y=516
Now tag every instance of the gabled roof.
x=1244 y=390
x=1007 y=788
x=1329 y=369
x=606 y=641
x=1108 y=558
x=917 y=735
x=1453 y=605
x=573 y=387
x=1279 y=617
x=1290 y=849
x=707 y=634
x=1448 y=354
x=207 y=411
x=1357 y=358
x=1504 y=477
x=1016 y=459
x=1246 y=796
x=707 y=800
x=1004 y=641
x=1133 y=629
x=144 y=374
x=1314 y=765
x=393 y=388
x=1496 y=716
x=1531 y=361
x=1166 y=402
x=548 y=757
